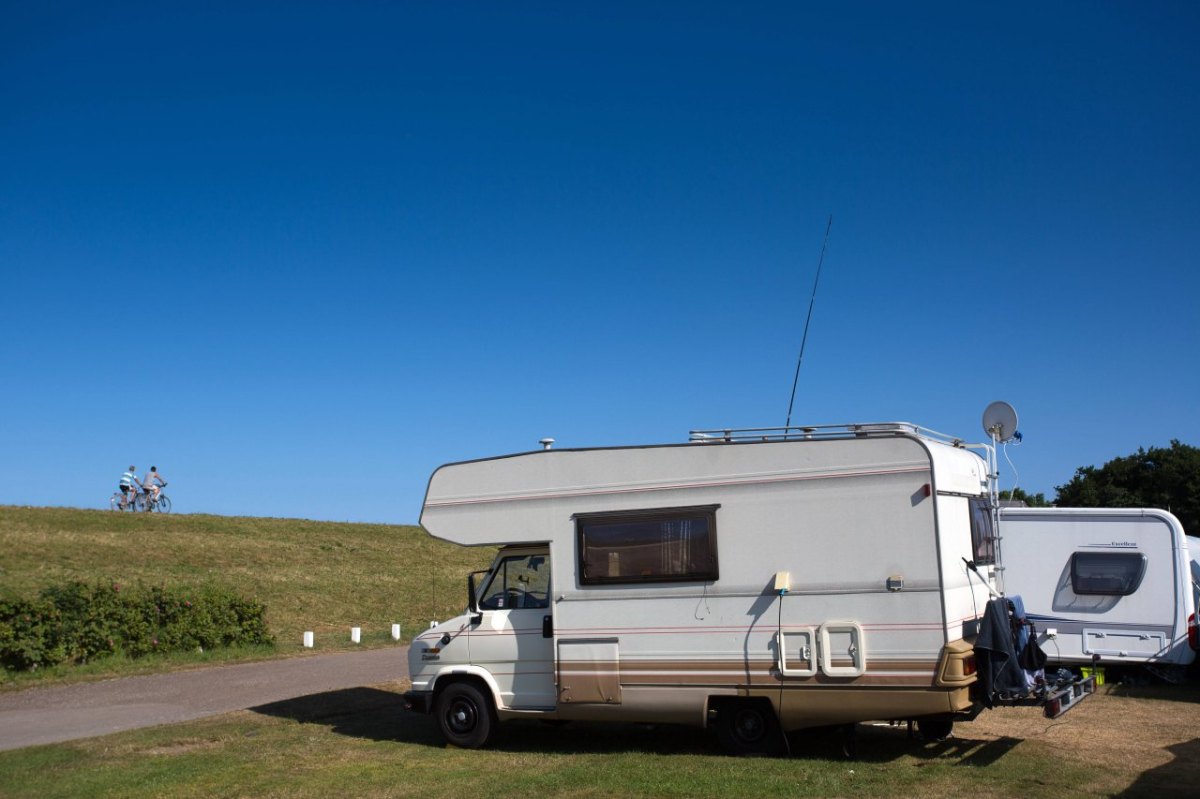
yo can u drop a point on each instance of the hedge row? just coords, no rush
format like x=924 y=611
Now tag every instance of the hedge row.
x=78 y=623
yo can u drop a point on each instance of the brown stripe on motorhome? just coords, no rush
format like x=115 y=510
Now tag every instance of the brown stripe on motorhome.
x=737 y=679
x=761 y=664
x=587 y=666
x=893 y=664
x=728 y=673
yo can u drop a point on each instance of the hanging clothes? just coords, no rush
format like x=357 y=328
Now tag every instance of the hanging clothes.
x=995 y=655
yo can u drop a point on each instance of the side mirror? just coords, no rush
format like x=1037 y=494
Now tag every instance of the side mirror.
x=473 y=599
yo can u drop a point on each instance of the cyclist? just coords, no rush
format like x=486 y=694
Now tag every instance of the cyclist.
x=128 y=491
x=152 y=482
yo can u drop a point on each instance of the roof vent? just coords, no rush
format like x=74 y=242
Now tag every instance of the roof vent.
x=546 y=443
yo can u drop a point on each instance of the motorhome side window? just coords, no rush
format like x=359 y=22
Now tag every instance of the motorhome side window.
x=983 y=537
x=1107 y=573
x=648 y=546
x=519 y=581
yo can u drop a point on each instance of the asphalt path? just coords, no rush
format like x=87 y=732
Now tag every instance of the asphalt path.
x=51 y=715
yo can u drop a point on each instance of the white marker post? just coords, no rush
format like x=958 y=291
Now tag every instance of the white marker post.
x=308 y=639
x=395 y=632
x=355 y=635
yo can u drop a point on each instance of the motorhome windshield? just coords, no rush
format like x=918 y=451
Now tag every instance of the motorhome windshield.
x=518 y=581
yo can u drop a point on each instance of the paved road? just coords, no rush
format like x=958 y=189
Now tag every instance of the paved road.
x=51 y=715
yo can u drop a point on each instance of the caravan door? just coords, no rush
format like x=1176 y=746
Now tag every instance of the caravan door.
x=513 y=638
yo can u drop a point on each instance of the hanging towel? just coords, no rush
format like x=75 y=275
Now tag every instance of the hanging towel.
x=995 y=657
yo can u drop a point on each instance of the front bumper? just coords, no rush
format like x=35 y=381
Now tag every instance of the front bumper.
x=418 y=701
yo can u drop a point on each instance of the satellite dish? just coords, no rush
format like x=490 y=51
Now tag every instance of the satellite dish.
x=1000 y=421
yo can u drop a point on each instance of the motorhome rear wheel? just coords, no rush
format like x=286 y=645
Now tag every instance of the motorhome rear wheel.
x=749 y=727
x=935 y=728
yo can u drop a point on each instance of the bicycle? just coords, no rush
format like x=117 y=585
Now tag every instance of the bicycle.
x=136 y=503
x=160 y=503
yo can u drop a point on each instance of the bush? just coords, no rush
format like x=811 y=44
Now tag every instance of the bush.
x=77 y=623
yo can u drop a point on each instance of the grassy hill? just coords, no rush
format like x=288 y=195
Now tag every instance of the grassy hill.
x=319 y=576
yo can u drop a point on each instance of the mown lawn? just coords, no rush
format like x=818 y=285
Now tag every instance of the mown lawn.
x=327 y=577
x=321 y=576
x=359 y=742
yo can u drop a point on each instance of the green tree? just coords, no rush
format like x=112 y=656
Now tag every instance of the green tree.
x=1159 y=477
x=1021 y=495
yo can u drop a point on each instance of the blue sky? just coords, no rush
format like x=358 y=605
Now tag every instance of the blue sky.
x=299 y=254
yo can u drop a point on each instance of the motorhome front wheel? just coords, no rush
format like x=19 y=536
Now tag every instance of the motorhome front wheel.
x=465 y=715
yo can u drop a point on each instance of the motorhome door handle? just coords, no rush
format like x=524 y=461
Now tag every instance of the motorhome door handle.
x=547 y=627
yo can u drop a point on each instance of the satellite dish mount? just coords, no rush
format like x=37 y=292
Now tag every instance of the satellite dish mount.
x=1000 y=424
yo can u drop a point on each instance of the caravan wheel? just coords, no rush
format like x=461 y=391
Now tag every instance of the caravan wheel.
x=465 y=715
x=749 y=727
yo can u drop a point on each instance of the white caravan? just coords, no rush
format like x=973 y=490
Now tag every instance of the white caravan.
x=1194 y=554
x=753 y=581
x=1108 y=583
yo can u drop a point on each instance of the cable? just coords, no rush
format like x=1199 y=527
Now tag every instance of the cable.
x=1052 y=726
x=787 y=745
x=1016 y=475
x=971 y=591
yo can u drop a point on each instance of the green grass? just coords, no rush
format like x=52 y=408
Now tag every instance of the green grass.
x=327 y=577
x=321 y=576
x=359 y=742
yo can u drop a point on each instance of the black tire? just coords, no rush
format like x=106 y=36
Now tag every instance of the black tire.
x=749 y=727
x=935 y=728
x=163 y=504
x=465 y=715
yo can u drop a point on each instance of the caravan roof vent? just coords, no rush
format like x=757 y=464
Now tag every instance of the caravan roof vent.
x=546 y=443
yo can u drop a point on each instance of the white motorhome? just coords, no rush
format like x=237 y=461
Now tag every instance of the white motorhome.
x=1112 y=583
x=754 y=581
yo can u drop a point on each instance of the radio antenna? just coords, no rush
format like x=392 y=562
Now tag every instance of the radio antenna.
x=804 y=339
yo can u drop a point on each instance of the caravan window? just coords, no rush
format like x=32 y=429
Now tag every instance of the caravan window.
x=648 y=546
x=1107 y=573
x=983 y=538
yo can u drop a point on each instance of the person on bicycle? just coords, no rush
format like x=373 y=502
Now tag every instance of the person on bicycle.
x=127 y=485
x=152 y=482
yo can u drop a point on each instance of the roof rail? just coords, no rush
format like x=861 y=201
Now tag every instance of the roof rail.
x=731 y=435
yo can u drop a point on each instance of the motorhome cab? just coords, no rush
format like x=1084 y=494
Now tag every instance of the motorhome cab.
x=753 y=581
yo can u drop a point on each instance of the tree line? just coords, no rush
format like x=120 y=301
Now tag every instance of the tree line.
x=1158 y=477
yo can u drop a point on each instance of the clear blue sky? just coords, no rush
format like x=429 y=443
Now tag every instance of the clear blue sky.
x=299 y=254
